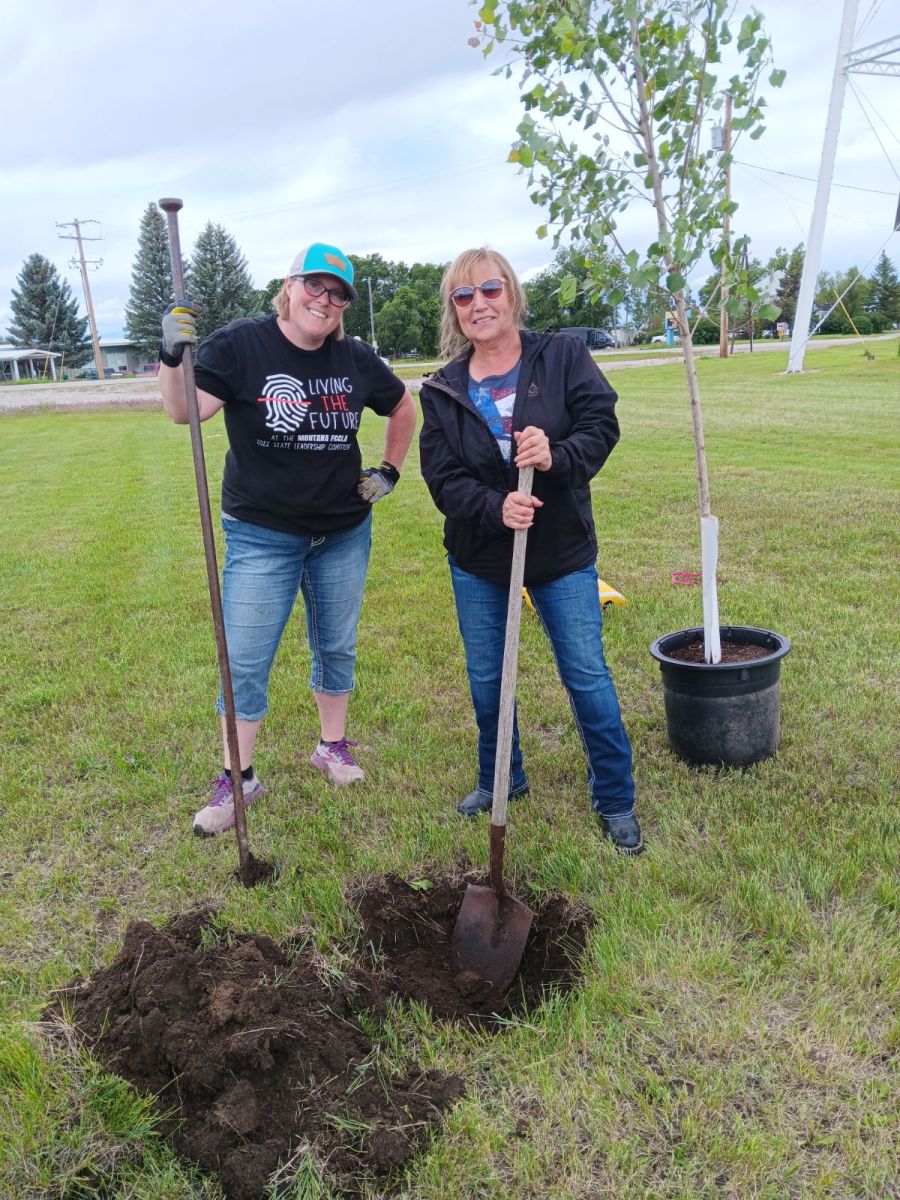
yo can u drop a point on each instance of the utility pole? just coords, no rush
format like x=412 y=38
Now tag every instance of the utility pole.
x=879 y=58
x=726 y=231
x=83 y=266
x=372 y=315
x=807 y=293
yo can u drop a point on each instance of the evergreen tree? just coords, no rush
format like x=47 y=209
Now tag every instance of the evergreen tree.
x=45 y=313
x=220 y=283
x=884 y=289
x=151 y=282
x=789 y=287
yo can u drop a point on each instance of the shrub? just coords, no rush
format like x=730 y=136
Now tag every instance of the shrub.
x=706 y=332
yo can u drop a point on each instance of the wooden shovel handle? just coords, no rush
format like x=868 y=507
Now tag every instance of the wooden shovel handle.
x=510 y=667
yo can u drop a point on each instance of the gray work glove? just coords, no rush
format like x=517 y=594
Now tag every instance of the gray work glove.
x=179 y=329
x=376 y=482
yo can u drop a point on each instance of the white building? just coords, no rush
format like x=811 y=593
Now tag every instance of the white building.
x=26 y=364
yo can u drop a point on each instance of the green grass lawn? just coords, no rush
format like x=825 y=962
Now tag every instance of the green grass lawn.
x=736 y=1034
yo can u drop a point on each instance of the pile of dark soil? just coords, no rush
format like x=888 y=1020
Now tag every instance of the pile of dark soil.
x=256 y=1055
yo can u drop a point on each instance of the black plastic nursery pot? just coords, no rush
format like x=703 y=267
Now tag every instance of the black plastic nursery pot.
x=723 y=714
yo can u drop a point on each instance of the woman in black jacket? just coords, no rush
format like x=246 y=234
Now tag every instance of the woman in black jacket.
x=510 y=399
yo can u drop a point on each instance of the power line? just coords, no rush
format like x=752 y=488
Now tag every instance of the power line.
x=375 y=189
x=872 y=127
x=851 y=187
x=870 y=17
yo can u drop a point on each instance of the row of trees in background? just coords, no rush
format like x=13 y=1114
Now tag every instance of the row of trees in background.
x=405 y=305
x=405 y=300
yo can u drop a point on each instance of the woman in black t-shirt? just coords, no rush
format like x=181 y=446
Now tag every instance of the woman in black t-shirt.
x=296 y=503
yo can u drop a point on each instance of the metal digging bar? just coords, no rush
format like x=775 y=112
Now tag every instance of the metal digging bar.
x=171 y=208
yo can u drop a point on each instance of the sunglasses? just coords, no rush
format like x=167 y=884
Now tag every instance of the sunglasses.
x=491 y=289
x=337 y=296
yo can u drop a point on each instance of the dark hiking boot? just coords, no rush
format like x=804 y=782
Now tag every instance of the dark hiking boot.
x=478 y=802
x=624 y=833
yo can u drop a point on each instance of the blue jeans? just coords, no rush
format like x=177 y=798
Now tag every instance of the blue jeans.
x=569 y=610
x=264 y=570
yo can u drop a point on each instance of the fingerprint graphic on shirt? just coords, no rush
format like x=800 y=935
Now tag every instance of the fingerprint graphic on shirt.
x=286 y=403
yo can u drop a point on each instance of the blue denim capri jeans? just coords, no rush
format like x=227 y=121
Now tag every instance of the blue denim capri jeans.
x=264 y=570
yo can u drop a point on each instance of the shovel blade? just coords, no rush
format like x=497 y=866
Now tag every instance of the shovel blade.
x=490 y=935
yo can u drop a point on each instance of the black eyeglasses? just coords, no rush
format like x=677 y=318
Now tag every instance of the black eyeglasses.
x=337 y=296
x=491 y=289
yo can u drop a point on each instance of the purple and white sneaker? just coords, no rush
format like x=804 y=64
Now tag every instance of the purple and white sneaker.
x=337 y=763
x=218 y=815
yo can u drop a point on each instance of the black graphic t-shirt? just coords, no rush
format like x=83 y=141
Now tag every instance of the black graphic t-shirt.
x=292 y=418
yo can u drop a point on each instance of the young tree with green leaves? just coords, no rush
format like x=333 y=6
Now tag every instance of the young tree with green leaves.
x=616 y=95
x=151 y=282
x=220 y=284
x=45 y=313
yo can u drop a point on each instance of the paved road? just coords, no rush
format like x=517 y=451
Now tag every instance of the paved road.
x=142 y=392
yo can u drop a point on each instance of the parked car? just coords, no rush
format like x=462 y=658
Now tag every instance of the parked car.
x=603 y=340
x=108 y=373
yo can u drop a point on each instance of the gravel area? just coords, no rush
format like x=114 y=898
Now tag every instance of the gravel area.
x=141 y=392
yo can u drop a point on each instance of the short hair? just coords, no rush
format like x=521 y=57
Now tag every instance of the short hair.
x=281 y=302
x=460 y=272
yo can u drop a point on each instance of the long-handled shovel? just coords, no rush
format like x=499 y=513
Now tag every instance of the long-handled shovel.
x=492 y=926
x=252 y=870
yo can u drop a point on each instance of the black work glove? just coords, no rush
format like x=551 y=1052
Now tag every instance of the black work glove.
x=376 y=482
x=179 y=329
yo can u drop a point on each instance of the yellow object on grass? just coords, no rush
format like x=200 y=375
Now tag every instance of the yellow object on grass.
x=608 y=595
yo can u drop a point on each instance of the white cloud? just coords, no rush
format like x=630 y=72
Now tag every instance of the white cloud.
x=379 y=130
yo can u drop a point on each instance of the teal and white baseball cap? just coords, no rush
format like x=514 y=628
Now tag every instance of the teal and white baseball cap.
x=322 y=259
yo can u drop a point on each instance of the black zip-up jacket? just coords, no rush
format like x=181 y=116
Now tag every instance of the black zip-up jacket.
x=561 y=391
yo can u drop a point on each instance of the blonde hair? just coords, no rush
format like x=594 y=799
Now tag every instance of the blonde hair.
x=462 y=271
x=281 y=302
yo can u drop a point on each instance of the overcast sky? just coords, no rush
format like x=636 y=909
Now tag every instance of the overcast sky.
x=367 y=123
